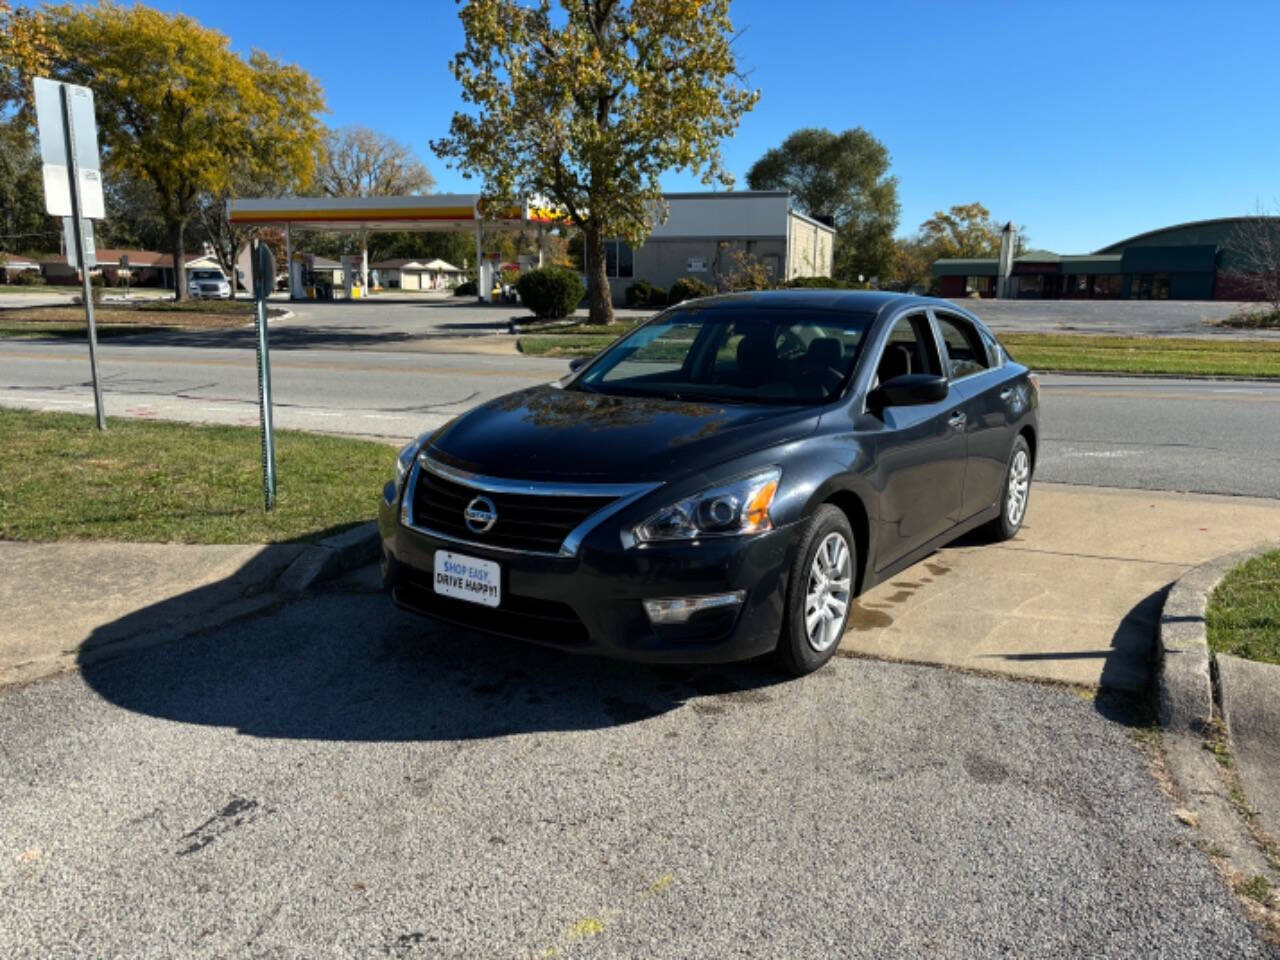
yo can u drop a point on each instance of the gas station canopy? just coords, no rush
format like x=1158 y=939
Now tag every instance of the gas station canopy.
x=434 y=212
x=438 y=212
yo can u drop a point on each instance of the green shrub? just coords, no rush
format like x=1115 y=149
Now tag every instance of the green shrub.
x=551 y=292
x=643 y=294
x=637 y=295
x=687 y=288
x=467 y=288
x=26 y=278
x=823 y=283
x=510 y=277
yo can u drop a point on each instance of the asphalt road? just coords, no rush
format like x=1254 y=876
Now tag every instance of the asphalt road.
x=1194 y=435
x=340 y=779
x=1152 y=434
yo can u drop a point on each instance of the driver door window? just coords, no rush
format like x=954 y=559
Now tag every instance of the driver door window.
x=909 y=349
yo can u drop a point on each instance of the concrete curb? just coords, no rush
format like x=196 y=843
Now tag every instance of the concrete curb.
x=1185 y=679
x=1186 y=705
x=328 y=559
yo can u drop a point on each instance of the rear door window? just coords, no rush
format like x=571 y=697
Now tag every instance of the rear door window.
x=966 y=353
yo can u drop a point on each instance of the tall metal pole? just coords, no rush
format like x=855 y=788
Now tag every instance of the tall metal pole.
x=263 y=270
x=77 y=229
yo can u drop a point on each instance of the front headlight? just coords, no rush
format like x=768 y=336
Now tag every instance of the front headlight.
x=735 y=508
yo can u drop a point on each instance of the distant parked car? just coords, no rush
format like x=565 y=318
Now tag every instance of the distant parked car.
x=208 y=285
x=720 y=483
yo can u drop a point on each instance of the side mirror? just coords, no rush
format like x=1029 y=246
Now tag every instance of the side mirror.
x=909 y=390
x=577 y=363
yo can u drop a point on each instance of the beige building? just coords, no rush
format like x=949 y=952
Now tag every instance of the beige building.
x=712 y=236
x=406 y=274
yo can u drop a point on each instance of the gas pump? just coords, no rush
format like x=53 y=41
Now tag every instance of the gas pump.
x=351 y=276
x=297 y=278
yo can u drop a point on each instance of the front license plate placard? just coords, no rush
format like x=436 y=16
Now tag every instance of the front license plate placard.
x=468 y=578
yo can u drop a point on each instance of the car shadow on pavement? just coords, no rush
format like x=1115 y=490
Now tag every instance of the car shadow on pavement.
x=344 y=664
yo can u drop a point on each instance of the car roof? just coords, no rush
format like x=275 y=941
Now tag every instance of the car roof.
x=871 y=301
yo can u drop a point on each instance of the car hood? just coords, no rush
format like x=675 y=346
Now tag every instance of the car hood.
x=546 y=433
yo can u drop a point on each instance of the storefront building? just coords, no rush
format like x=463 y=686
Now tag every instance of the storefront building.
x=1191 y=261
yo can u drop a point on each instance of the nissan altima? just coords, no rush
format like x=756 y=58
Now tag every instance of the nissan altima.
x=720 y=483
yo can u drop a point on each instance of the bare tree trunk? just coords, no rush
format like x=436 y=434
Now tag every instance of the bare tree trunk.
x=599 y=296
x=1254 y=246
x=176 y=241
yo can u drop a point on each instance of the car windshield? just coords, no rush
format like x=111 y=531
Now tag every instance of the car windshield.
x=744 y=354
x=207 y=275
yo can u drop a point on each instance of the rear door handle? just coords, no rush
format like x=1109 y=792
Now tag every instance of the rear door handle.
x=957 y=420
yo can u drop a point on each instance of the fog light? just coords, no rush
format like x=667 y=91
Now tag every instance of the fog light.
x=680 y=609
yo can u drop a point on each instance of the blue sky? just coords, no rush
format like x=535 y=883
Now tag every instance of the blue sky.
x=1087 y=122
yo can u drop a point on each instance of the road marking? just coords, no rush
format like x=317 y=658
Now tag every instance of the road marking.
x=1091 y=453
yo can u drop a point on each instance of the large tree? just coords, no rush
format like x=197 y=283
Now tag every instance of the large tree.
x=23 y=223
x=360 y=162
x=589 y=105
x=965 y=230
x=842 y=178
x=181 y=110
x=26 y=50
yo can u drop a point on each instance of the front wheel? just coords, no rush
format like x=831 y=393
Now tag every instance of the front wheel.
x=819 y=594
x=1016 y=493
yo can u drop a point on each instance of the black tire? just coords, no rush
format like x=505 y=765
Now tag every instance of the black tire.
x=795 y=653
x=1002 y=527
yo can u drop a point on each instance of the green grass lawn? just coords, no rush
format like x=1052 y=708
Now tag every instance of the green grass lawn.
x=562 y=345
x=1243 y=618
x=174 y=482
x=1084 y=353
x=1089 y=353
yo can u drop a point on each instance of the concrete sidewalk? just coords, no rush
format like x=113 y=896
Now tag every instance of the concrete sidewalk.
x=57 y=597
x=1075 y=598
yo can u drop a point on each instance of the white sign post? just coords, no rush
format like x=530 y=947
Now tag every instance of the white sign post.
x=73 y=187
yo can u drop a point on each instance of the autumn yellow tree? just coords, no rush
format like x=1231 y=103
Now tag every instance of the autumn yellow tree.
x=179 y=109
x=588 y=105
x=26 y=51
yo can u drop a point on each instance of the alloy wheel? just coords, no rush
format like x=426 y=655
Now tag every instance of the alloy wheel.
x=1019 y=486
x=827 y=597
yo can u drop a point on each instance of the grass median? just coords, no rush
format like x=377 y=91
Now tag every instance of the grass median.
x=1243 y=618
x=127 y=319
x=1178 y=356
x=175 y=482
x=1079 y=353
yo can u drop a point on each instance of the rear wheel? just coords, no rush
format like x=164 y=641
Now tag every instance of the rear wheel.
x=820 y=593
x=1016 y=493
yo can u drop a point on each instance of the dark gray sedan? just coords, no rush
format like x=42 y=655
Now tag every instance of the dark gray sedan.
x=721 y=482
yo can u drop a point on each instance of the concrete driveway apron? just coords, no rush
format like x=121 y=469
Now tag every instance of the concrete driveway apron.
x=1074 y=598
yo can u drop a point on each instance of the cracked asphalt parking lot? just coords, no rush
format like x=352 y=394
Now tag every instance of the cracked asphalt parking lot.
x=342 y=779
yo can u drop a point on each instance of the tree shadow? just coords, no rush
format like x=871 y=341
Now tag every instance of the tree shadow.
x=346 y=665
x=289 y=337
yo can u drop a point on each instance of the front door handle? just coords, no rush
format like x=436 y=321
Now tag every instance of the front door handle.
x=957 y=420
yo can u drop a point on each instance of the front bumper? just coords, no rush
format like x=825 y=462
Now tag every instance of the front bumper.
x=593 y=602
